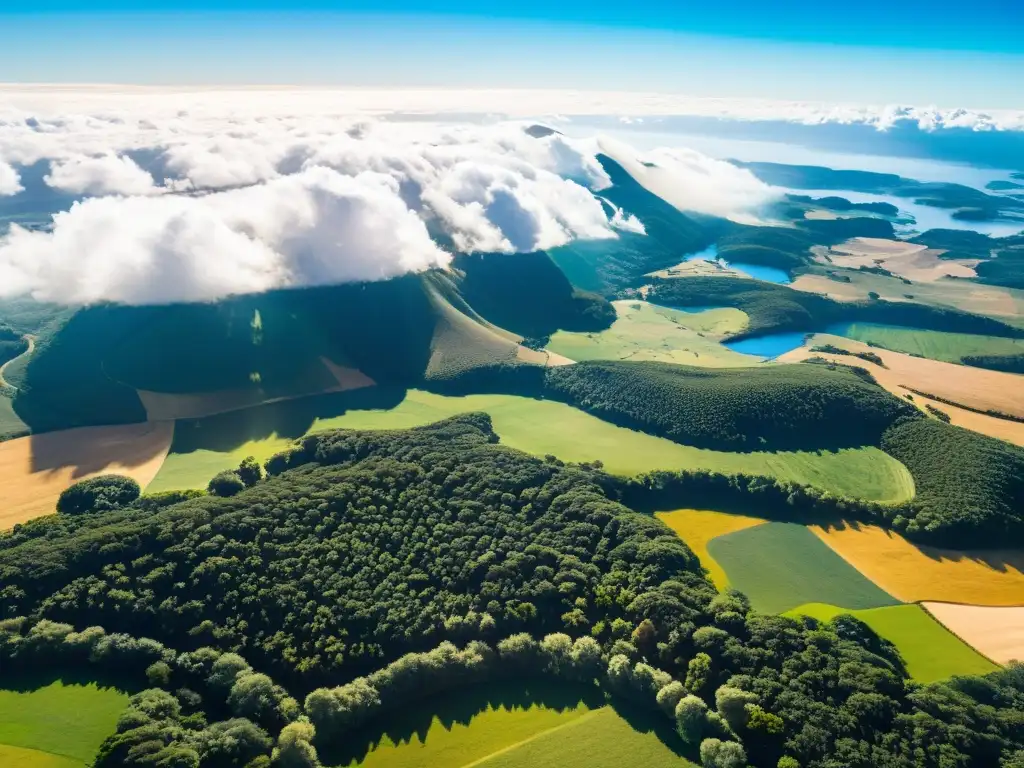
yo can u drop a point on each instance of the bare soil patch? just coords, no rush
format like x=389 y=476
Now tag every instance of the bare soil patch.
x=35 y=470
x=995 y=632
x=914 y=262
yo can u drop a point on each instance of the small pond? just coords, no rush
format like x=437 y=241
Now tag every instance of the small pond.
x=756 y=271
x=769 y=346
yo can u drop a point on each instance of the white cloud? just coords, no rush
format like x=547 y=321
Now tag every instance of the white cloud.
x=10 y=181
x=296 y=188
x=103 y=175
x=313 y=228
x=692 y=181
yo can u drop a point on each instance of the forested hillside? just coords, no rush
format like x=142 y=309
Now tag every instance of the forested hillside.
x=768 y=408
x=398 y=542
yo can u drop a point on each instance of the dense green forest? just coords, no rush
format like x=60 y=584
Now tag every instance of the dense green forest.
x=841 y=204
x=793 y=407
x=774 y=308
x=398 y=565
x=1005 y=363
x=11 y=343
x=970 y=487
x=769 y=246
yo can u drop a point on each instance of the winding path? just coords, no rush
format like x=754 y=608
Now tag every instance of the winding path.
x=31 y=348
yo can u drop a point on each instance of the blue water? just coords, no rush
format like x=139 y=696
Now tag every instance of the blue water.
x=768 y=274
x=770 y=345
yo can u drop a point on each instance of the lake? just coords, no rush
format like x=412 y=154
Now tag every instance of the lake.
x=769 y=346
x=756 y=271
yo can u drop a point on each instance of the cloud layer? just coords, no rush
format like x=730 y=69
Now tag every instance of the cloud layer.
x=191 y=199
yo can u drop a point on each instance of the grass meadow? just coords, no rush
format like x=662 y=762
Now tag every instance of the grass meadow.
x=936 y=345
x=515 y=726
x=781 y=566
x=645 y=331
x=60 y=725
x=931 y=652
x=203 y=447
x=697 y=527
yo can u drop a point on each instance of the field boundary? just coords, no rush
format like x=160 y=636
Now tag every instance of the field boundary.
x=954 y=632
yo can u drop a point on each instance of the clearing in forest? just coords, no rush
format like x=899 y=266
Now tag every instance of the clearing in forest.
x=203 y=447
x=35 y=470
x=996 y=632
x=500 y=727
x=914 y=573
x=644 y=331
x=783 y=565
x=57 y=725
x=914 y=262
x=697 y=527
x=930 y=651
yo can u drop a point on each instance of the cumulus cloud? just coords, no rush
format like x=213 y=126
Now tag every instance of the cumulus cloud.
x=692 y=181
x=10 y=181
x=103 y=175
x=313 y=228
x=192 y=196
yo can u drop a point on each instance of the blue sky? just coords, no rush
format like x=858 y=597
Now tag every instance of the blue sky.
x=916 y=51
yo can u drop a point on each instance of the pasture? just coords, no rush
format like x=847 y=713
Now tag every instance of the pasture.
x=936 y=345
x=783 y=565
x=697 y=527
x=509 y=726
x=10 y=424
x=203 y=447
x=914 y=262
x=930 y=651
x=996 y=632
x=35 y=469
x=644 y=331
x=57 y=725
x=914 y=573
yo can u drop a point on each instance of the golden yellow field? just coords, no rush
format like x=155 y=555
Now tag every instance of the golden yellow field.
x=912 y=573
x=34 y=470
x=998 y=633
x=699 y=526
x=975 y=387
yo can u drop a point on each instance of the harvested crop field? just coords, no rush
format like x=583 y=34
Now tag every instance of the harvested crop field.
x=996 y=632
x=973 y=387
x=930 y=651
x=1006 y=304
x=35 y=469
x=644 y=331
x=912 y=573
x=914 y=262
x=781 y=566
x=697 y=527
x=204 y=447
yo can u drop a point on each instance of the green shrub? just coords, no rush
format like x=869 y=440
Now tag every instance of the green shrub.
x=98 y=494
x=226 y=483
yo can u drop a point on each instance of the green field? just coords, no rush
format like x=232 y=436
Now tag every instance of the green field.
x=203 y=447
x=936 y=345
x=64 y=725
x=645 y=331
x=931 y=651
x=10 y=424
x=783 y=565
x=500 y=727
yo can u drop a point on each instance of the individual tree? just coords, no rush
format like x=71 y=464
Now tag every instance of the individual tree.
x=98 y=494
x=226 y=483
x=250 y=471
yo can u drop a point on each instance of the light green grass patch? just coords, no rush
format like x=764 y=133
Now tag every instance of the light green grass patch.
x=204 y=447
x=931 y=651
x=644 y=331
x=66 y=720
x=11 y=425
x=936 y=345
x=17 y=757
x=783 y=565
x=503 y=726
